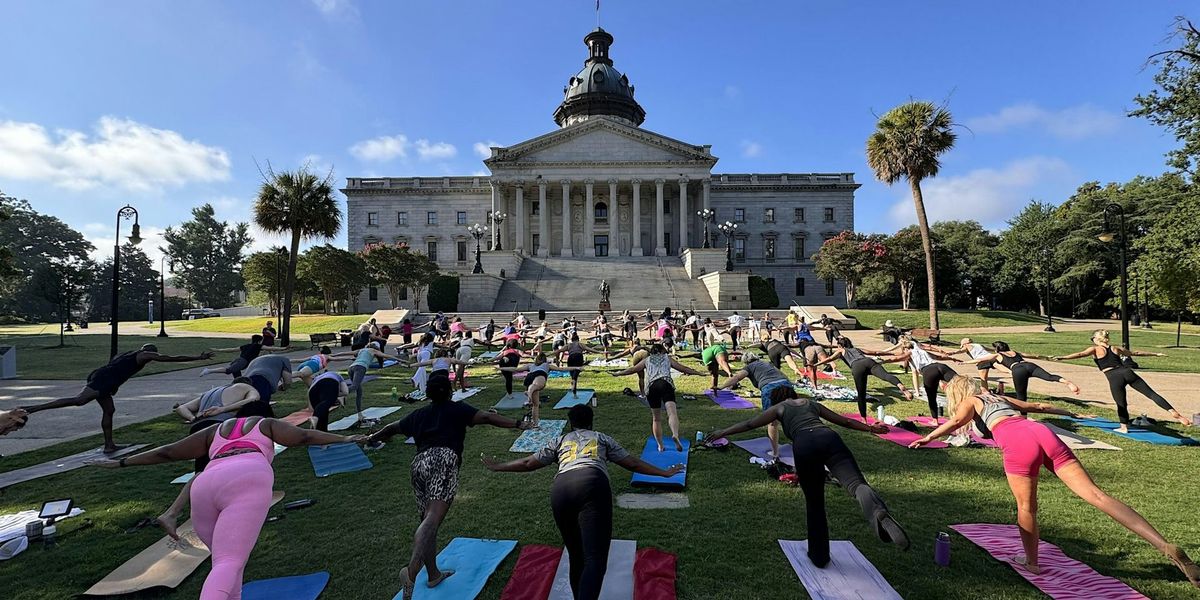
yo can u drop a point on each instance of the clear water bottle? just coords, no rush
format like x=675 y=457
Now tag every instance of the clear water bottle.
x=941 y=549
x=395 y=394
x=879 y=413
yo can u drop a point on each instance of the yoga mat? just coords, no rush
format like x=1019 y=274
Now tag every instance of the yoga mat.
x=832 y=375
x=165 y=563
x=519 y=375
x=729 y=400
x=1062 y=577
x=653 y=501
x=61 y=465
x=386 y=364
x=375 y=412
x=848 y=576
x=616 y=362
x=473 y=562
x=186 y=477
x=1141 y=435
x=490 y=354
x=898 y=436
x=511 y=401
x=338 y=458
x=929 y=422
x=367 y=378
x=654 y=575
x=1075 y=441
x=761 y=447
x=297 y=587
x=299 y=417
x=460 y=395
x=533 y=576
x=669 y=456
x=618 y=580
x=569 y=399
x=532 y=440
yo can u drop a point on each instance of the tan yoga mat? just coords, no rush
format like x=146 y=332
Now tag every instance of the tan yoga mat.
x=166 y=563
x=1075 y=441
x=61 y=465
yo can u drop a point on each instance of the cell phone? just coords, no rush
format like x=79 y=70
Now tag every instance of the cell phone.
x=298 y=504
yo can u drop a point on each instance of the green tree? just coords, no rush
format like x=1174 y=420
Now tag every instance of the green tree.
x=906 y=144
x=850 y=257
x=208 y=255
x=1170 y=257
x=1029 y=248
x=904 y=261
x=33 y=242
x=337 y=273
x=263 y=274
x=300 y=204
x=139 y=285
x=966 y=255
x=1175 y=103
x=396 y=267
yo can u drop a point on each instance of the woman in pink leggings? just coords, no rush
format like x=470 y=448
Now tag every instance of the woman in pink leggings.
x=1028 y=446
x=231 y=496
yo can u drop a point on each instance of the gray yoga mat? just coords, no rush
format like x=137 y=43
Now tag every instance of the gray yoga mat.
x=653 y=501
x=511 y=401
x=618 y=580
x=62 y=465
x=1076 y=441
x=848 y=576
x=375 y=412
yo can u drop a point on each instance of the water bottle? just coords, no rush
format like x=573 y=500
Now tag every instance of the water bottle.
x=395 y=394
x=49 y=537
x=879 y=413
x=941 y=549
x=699 y=436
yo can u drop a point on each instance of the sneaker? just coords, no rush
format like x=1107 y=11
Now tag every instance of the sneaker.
x=204 y=372
x=890 y=531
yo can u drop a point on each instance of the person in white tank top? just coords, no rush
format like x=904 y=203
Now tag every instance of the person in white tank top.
x=660 y=390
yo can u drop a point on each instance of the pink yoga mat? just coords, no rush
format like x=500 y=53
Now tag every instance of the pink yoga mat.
x=1062 y=577
x=929 y=422
x=896 y=435
x=729 y=400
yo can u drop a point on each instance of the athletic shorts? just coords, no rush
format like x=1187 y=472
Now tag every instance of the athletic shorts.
x=532 y=376
x=323 y=391
x=263 y=387
x=575 y=360
x=1028 y=446
x=463 y=353
x=313 y=365
x=238 y=365
x=714 y=368
x=983 y=366
x=767 y=390
x=103 y=382
x=434 y=477
x=659 y=393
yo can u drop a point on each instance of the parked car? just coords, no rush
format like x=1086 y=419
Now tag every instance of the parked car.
x=200 y=313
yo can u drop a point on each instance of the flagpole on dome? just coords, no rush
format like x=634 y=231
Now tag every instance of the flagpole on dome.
x=597 y=14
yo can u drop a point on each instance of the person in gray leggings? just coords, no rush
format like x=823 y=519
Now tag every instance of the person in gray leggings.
x=358 y=370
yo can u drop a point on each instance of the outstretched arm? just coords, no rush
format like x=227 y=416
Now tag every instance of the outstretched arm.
x=191 y=447
x=148 y=357
x=638 y=465
x=638 y=368
x=962 y=416
x=1124 y=352
x=290 y=435
x=682 y=368
x=732 y=381
x=484 y=417
x=836 y=354
x=520 y=465
x=985 y=358
x=1089 y=351
x=1038 y=407
x=762 y=419
x=841 y=421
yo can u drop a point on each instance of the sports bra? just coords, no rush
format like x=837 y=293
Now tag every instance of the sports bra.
x=1009 y=361
x=995 y=408
x=254 y=439
x=1110 y=360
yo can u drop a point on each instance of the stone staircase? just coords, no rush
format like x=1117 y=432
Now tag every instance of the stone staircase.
x=572 y=284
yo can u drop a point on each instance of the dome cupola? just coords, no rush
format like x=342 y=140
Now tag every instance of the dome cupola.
x=599 y=89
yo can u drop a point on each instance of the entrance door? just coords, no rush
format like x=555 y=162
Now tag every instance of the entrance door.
x=537 y=242
x=601 y=245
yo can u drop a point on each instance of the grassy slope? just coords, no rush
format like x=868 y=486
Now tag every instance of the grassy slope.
x=38 y=358
x=361 y=526
x=301 y=324
x=874 y=318
x=1182 y=360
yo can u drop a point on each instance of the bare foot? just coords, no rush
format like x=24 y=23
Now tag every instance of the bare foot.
x=1185 y=564
x=1022 y=562
x=678 y=445
x=1186 y=422
x=406 y=584
x=115 y=448
x=660 y=446
x=1122 y=429
x=1074 y=388
x=169 y=525
x=434 y=581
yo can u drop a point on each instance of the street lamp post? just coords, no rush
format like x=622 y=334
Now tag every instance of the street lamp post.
x=125 y=212
x=162 y=295
x=477 y=231
x=1108 y=235
x=498 y=218
x=706 y=215
x=728 y=228
x=1049 y=320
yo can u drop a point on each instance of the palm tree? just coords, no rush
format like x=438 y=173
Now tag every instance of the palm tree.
x=303 y=205
x=906 y=144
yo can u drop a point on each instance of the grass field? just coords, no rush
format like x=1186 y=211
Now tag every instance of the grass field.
x=360 y=529
x=301 y=324
x=1181 y=360
x=39 y=358
x=870 y=318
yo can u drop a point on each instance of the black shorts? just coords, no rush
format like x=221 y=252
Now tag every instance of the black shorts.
x=714 y=368
x=103 y=382
x=659 y=393
x=323 y=391
x=575 y=360
x=983 y=366
x=532 y=377
x=263 y=387
x=236 y=367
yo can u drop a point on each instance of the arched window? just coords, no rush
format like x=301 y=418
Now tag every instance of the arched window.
x=601 y=211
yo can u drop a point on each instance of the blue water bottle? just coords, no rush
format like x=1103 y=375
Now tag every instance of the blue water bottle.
x=941 y=549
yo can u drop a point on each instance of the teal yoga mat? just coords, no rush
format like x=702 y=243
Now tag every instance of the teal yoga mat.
x=299 y=587
x=338 y=458
x=1141 y=435
x=569 y=399
x=669 y=456
x=533 y=440
x=473 y=562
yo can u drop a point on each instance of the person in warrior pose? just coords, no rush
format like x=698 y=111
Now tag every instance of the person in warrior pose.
x=861 y=366
x=1022 y=370
x=660 y=394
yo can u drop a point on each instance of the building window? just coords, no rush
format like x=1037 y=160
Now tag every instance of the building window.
x=431 y=217
x=372 y=293
x=370 y=239
x=768 y=215
x=535 y=208
x=798 y=250
x=461 y=217
x=402 y=218
x=372 y=219
x=431 y=250
x=601 y=211
x=403 y=295
x=537 y=242
x=798 y=215
x=799 y=286
x=828 y=215
x=828 y=287
x=667 y=241
x=739 y=249
x=601 y=244
x=739 y=215
x=769 y=249
x=462 y=251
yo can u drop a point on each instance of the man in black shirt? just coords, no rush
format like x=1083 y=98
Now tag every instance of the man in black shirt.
x=246 y=353
x=439 y=431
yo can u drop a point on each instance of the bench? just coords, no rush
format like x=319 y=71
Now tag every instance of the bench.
x=933 y=335
x=316 y=340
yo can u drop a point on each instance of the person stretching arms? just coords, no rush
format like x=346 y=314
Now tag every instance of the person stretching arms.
x=661 y=391
x=1022 y=370
x=861 y=366
x=535 y=381
x=1027 y=446
x=767 y=379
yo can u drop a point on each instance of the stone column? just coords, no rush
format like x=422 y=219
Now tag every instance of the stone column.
x=543 y=221
x=635 y=247
x=589 y=218
x=705 y=185
x=683 y=214
x=659 y=225
x=519 y=244
x=566 y=232
x=495 y=207
x=614 y=220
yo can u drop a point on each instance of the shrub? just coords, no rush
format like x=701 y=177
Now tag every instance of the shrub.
x=443 y=293
x=762 y=295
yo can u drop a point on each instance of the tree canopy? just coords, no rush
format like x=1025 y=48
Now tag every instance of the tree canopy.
x=396 y=266
x=338 y=274
x=207 y=255
x=850 y=257
x=34 y=243
x=1175 y=104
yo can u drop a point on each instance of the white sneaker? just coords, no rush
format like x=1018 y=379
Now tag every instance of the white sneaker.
x=204 y=372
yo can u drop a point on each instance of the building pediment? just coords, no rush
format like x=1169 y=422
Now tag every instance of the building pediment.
x=600 y=140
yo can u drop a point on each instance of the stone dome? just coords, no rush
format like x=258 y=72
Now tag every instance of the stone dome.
x=598 y=89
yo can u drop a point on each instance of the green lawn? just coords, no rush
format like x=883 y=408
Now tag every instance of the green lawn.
x=360 y=529
x=38 y=356
x=1183 y=360
x=874 y=318
x=301 y=324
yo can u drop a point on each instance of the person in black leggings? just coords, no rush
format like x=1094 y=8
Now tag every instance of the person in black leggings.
x=1108 y=360
x=778 y=353
x=861 y=366
x=510 y=356
x=816 y=447
x=580 y=497
x=1022 y=370
x=327 y=391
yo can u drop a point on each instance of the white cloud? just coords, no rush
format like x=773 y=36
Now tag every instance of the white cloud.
x=120 y=152
x=987 y=195
x=1072 y=123
x=428 y=150
x=305 y=66
x=751 y=149
x=336 y=8
x=381 y=149
x=484 y=149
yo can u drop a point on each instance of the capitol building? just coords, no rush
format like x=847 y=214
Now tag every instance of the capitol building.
x=600 y=191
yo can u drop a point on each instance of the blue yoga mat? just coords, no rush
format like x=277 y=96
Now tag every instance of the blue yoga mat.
x=569 y=399
x=299 y=587
x=669 y=456
x=1141 y=435
x=473 y=562
x=338 y=458
x=386 y=364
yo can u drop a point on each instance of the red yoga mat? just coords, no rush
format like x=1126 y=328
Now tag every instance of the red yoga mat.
x=654 y=575
x=533 y=576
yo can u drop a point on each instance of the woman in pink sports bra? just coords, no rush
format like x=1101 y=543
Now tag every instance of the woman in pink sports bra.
x=1028 y=446
x=231 y=496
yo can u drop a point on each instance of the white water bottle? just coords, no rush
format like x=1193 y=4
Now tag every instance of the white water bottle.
x=879 y=413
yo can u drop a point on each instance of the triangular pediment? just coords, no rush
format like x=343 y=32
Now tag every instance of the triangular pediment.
x=601 y=140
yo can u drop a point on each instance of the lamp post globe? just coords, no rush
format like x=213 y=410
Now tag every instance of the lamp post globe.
x=706 y=215
x=498 y=218
x=477 y=231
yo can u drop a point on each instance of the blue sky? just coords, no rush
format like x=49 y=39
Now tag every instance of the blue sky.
x=169 y=105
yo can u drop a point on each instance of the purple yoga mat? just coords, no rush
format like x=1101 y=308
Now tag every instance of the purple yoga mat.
x=729 y=400
x=761 y=447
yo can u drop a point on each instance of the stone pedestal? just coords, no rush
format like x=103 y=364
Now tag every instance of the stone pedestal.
x=702 y=261
x=729 y=290
x=477 y=291
x=604 y=306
